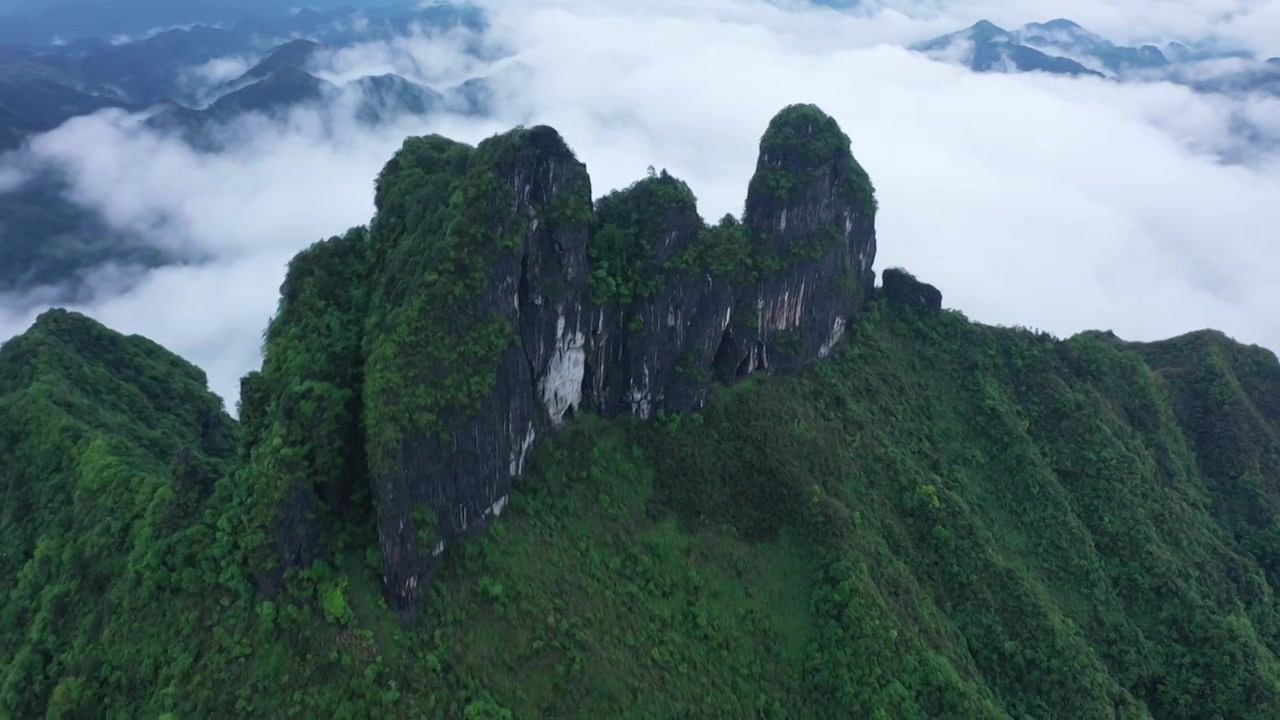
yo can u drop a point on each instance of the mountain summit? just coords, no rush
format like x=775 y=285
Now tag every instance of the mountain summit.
x=552 y=307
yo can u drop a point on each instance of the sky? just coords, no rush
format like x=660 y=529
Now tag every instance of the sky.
x=1039 y=201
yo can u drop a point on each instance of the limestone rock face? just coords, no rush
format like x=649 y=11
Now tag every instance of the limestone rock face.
x=501 y=301
x=811 y=213
x=775 y=300
x=516 y=228
x=650 y=305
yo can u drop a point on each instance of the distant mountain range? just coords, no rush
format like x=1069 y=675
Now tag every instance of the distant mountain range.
x=36 y=98
x=47 y=21
x=46 y=238
x=42 y=87
x=281 y=82
x=1063 y=47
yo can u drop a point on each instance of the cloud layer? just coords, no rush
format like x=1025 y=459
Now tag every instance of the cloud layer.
x=1041 y=201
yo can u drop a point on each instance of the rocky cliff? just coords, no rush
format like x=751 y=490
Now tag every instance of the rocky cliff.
x=495 y=299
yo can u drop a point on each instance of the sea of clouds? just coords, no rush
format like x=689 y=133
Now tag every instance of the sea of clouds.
x=1044 y=201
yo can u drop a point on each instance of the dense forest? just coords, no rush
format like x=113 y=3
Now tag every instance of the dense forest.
x=937 y=518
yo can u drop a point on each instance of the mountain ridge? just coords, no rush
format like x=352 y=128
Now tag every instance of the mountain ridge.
x=293 y=54
x=986 y=47
x=936 y=518
x=376 y=100
x=1062 y=46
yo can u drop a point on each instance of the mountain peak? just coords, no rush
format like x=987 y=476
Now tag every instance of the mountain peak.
x=1062 y=34
x=1059 y=46
x=282 y=87
x=1066 y=39
x=1058 y=24
x=60 y=322
x=295 y=53
x=802 y=136
x=985 y=29
x=803 y=146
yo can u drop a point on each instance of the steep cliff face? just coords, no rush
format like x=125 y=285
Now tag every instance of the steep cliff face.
x=811 y=213
x=772 y=293
x=651 y=308
x=477 y=344
x=498 y=301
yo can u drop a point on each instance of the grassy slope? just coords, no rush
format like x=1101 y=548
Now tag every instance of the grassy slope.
x=943 y=519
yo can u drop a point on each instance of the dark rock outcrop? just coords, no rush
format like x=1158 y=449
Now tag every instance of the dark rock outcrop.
x=811 y=215
x=502 y=302
x=515 y=233
x=902 y=288
x=650 y=309
x=773 y=293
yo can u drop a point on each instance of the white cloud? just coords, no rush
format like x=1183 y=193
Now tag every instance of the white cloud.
x=10 y=178
x=1033 y=200
x=212 y=315
x=1256 y=27
x=250 y=209
x=199 y=79
x=428 y=56
x=1063 y=204
x=278 y=186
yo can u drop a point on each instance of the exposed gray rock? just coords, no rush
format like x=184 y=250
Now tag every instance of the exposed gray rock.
x=536 y=221
x=495 y=255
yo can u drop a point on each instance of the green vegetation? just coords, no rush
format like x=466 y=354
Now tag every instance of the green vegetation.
x=800 y=139
x=423 y=359
x=109 y=446
x=424 y=524
x=627 y=248
x=630 y=227
x=941 y=520
x=723 y=250
x=301 y=414
x=436 y=331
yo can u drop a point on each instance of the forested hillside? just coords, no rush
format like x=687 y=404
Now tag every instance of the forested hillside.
x=937 y=518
